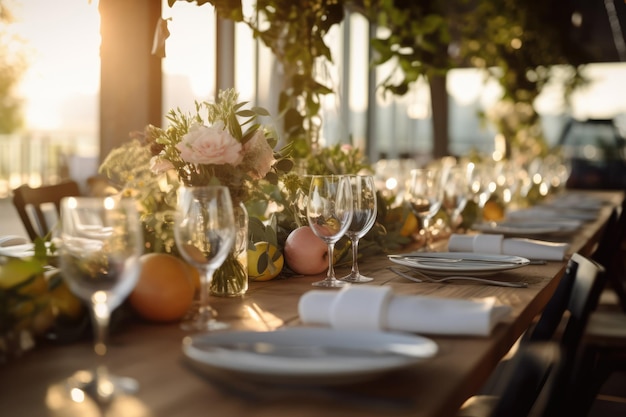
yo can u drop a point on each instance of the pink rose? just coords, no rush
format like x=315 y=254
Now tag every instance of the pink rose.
x=258 y=155
x=159 y=165
x=210 y=145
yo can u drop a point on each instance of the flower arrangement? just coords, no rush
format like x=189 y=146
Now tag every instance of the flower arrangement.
x=216 y=149
x=221 y=143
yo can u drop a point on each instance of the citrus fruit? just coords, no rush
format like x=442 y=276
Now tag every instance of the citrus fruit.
x=493 y=211
x=410 y=225
x=195 y=276
x=17 y=271
x=164 y=290
x=265 y=261
x=64 y=302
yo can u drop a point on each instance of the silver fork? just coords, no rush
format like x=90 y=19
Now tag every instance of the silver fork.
x=426 y=278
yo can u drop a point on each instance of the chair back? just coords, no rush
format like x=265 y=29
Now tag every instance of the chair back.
x=609 y=253
x=585 y=280
x=38 y=208
x=576 y=294
x=529 y=381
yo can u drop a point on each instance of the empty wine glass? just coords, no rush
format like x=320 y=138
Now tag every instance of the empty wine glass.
x=204 y=232
x=424 y=195
x=455 y=192
x=482 y=182
x=363 y=218
x=100 y=241
x=329 y=212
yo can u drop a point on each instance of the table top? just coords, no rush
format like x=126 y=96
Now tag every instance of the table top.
x=170 y=386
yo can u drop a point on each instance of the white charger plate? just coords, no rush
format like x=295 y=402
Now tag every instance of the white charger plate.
x=365 y=356
x=16 y=246
x=529 y=228
x=552 y=214
x=440 y=263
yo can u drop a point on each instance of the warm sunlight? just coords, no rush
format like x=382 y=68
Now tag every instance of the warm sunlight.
x=62 y=84
x=63 y=79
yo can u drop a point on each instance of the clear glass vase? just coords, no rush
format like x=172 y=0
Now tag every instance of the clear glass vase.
x=231 y=279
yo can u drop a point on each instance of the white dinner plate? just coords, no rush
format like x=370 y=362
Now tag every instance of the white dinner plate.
x=18 y=247
x=529 y=228
x=552 y=214
x=306 y=355
x=458 y=263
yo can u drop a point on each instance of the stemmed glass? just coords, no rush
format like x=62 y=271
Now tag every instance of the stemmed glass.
x=364 y=202
x=329 y=212
x=424 y=195
x=204 y=232
x=455 y=185
x=100 y=241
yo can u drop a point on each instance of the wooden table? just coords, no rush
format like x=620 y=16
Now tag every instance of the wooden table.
x=169 y=387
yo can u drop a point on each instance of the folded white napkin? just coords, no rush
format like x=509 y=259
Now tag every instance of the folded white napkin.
x=369 y=307
x=497 y=244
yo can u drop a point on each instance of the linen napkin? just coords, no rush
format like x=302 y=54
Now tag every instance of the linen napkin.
x=497 y=244
x=369 y=307
x=15 y=246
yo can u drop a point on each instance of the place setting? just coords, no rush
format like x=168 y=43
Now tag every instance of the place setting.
x=354 y=334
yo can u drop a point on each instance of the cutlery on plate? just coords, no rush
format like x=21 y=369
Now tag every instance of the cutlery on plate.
x=320 y=351
x=426 y=258
x=435 y=259
x=425 y=278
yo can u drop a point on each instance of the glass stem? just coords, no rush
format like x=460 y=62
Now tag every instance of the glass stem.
x=331 y=269
x=205 y=283
x=101 y=315
x=355 y=255
x=426 y=226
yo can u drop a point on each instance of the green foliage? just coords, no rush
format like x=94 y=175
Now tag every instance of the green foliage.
x=294 y=30
x=13 y=64
x=337 y=159
x=419 y=38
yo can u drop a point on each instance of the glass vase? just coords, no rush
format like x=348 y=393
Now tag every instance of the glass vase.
x=231 y=279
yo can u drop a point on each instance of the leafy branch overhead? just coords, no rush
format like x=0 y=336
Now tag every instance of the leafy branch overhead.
x=420 y=38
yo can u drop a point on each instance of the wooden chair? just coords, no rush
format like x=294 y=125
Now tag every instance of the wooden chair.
x=603 y=348
x=610 y=254
x=525 y=386
x=39 y=207
x=563 y=320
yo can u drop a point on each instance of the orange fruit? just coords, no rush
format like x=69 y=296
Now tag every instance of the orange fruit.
x=195 y=276
x=493 y=211
x=410 y=225
x=165 y=290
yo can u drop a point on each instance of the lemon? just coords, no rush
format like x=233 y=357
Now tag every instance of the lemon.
x=265 y=261
x=17 y=271
x=65 y=303
x=410 y=225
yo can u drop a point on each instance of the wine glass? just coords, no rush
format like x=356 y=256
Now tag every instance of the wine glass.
x=482 y=182
x=424 y=195
x=455 y=192
x=363 y=218
x=204 y=232
x=100 y=241
x=329 y=212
